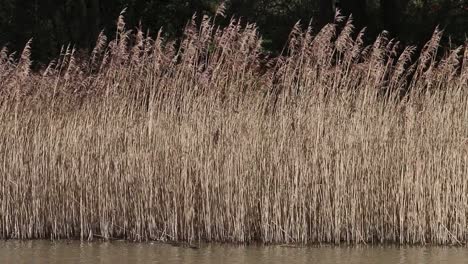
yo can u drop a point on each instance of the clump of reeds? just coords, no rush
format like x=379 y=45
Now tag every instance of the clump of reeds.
x=206 y=139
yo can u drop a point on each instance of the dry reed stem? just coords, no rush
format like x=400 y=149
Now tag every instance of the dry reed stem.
x=330 y=142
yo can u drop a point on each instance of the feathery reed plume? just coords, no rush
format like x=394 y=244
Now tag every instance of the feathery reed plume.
x=403 y=61
x=338 y=16
x=426 y=59
x=221 y=10
x=50 y=69
x=449 y=66
x=358 y=44
x=464 y=63
x=24 y=64
x=98 y=49
x=3 y=55
x=430 y=48
x=344 y=40
x=71 y=65
x=137 y=47
x=121 y=23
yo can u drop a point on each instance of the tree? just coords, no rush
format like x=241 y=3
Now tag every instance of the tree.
x=357 y=8
x=53 y=23
x=325 y=12
x=392 y=14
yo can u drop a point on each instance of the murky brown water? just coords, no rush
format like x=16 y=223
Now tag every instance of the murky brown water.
x=17 y=252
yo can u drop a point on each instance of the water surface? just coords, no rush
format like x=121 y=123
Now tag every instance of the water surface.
x=122 y=252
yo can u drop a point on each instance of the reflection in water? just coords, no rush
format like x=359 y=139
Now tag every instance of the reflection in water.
x=121 y=252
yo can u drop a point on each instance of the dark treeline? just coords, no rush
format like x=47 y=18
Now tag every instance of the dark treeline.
x=53 y=23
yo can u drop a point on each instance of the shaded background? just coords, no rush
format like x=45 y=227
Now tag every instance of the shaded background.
x=53 y=23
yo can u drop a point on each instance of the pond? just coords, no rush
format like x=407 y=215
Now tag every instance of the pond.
x=123 y=252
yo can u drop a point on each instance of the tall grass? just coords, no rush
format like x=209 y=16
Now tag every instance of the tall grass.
x=208 y=139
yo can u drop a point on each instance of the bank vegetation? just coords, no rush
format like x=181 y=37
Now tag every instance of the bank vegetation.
x=208 y=139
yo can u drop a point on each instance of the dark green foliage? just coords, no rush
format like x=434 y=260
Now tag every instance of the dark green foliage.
x=53 y=23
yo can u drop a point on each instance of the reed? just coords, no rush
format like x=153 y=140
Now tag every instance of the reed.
x=207 y=139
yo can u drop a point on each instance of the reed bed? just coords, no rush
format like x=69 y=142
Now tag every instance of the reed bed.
x=208 y=139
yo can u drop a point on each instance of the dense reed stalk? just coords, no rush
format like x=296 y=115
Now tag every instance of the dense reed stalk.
x=207 y=139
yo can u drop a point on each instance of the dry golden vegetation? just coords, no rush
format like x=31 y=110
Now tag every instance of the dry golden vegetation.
x=207 y=139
